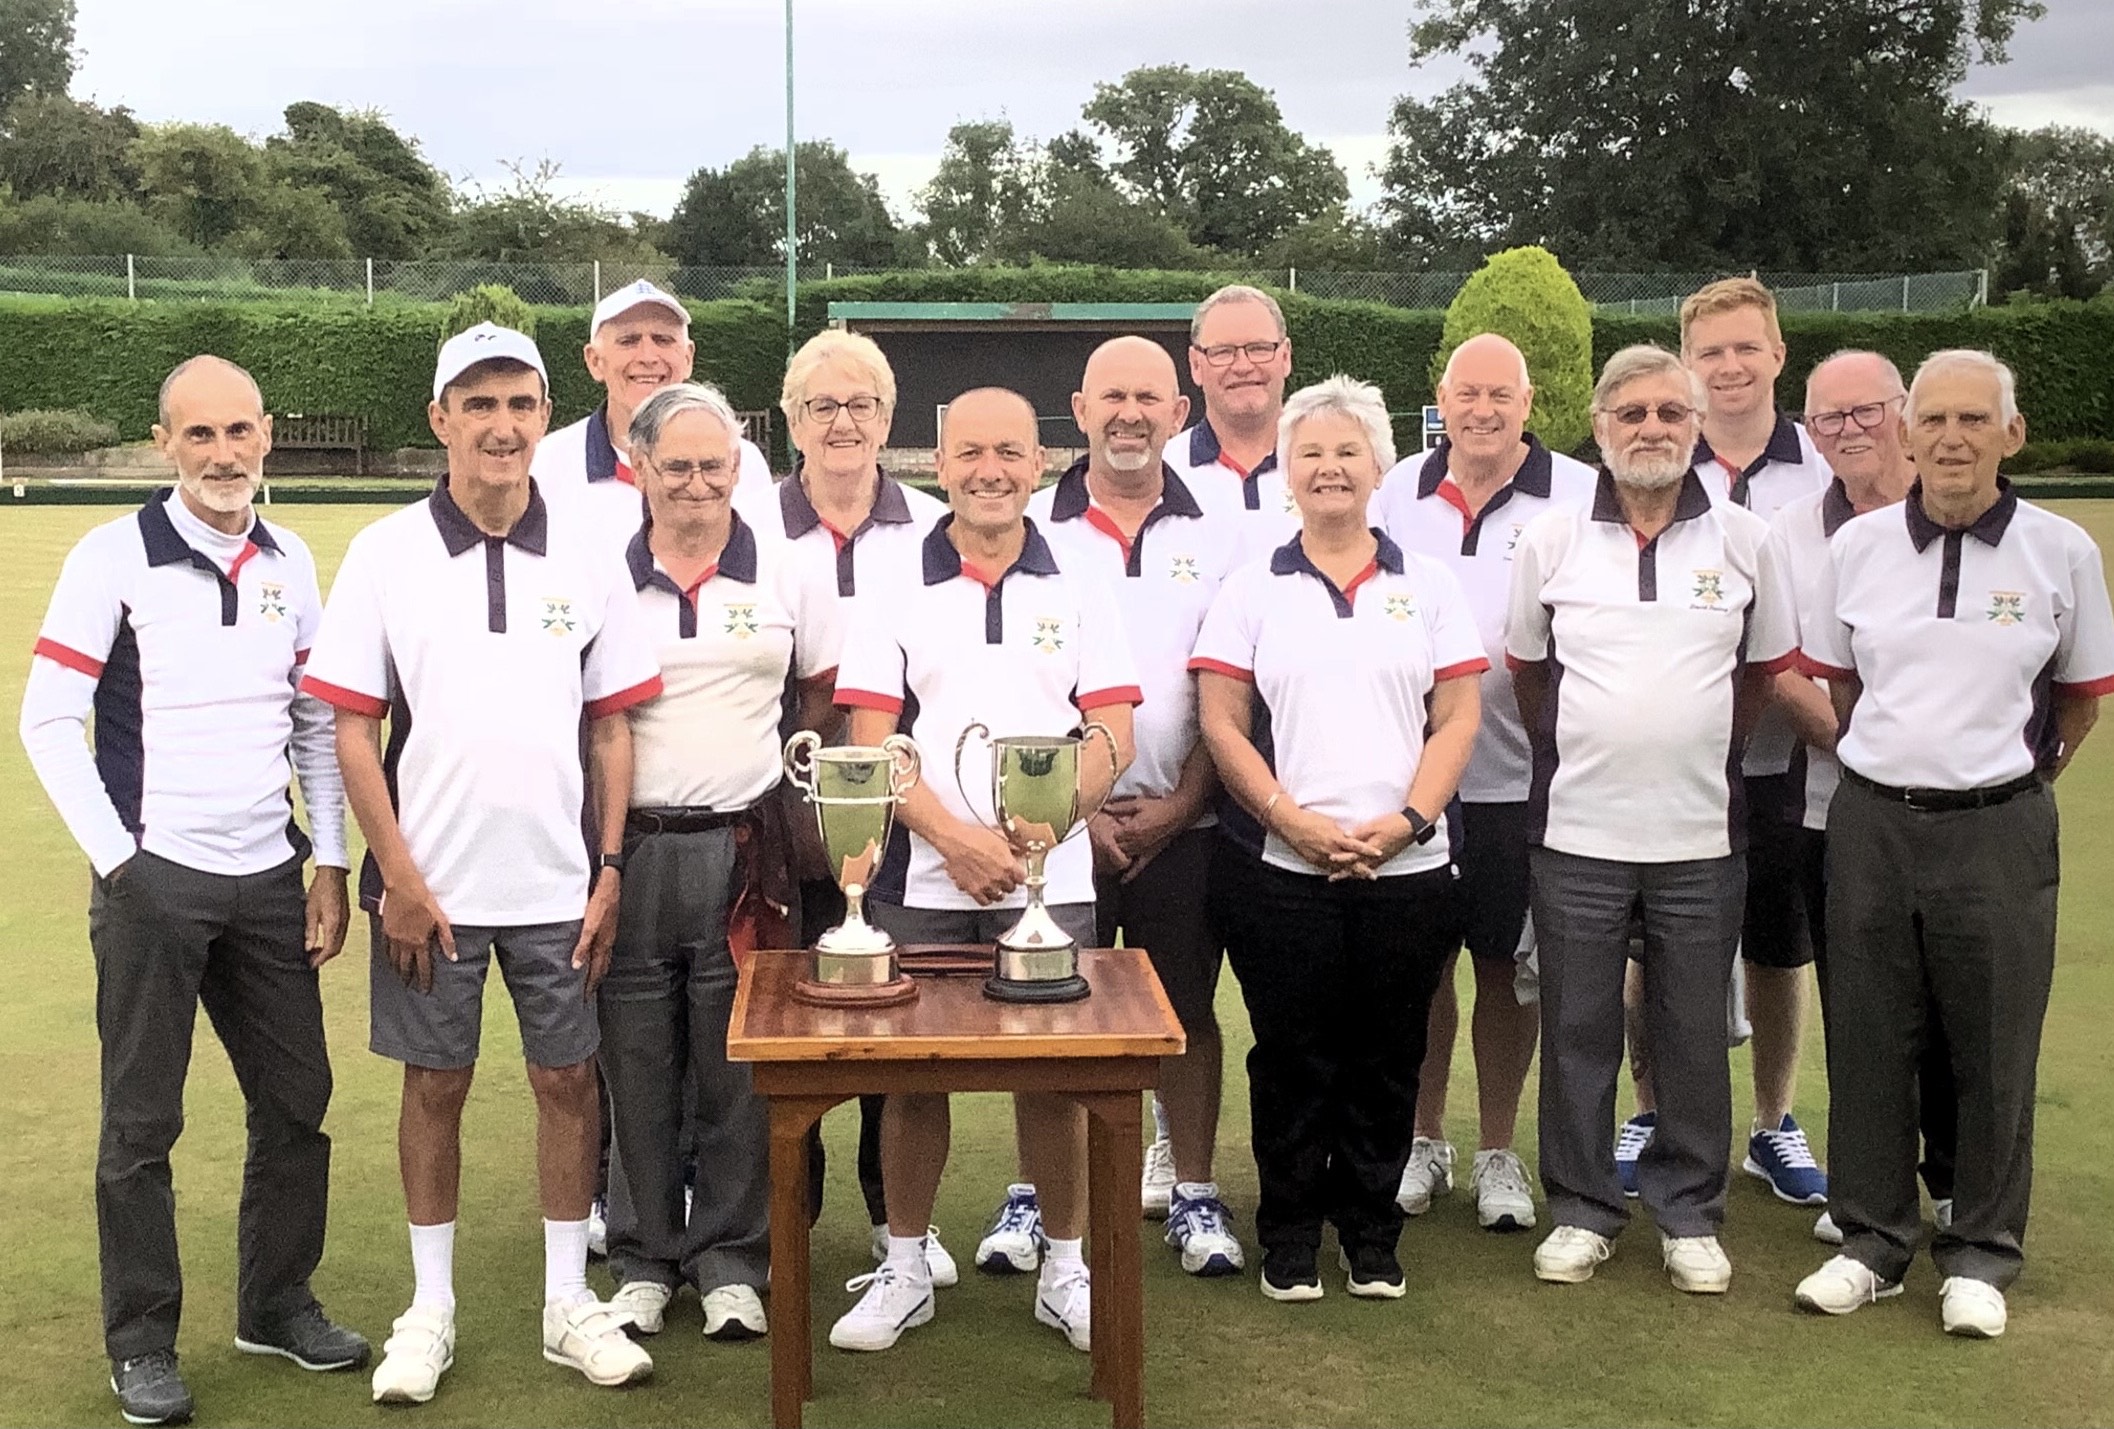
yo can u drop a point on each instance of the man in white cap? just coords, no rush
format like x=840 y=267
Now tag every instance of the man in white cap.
x=490 y=636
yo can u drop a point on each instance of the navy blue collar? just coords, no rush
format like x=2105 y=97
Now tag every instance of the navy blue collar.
x=1532 y=479
x=166 y=545
x=601 y=451
x=459 y=533
x=1783 y=447
x=1988 y=528
x=1290 y=559
x=737 y=559
x=1204 y=449
x=944 y=563
x=1693 y=501
x=1835 y=508
x=1071 y=498
x=889 y=506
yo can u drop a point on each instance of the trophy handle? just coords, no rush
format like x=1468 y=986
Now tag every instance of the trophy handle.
x=800 y=761
x=907 y=766
x=982 y=731
x=1115 y=770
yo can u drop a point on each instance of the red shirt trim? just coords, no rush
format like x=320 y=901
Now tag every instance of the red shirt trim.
x=1119 y=695
x=2093 y=688
x=623 y=700
x=1106 y=524
x=1814 y=669
x=242 y=558
x=72 y=659
x=1515 y=664
x=1454 y=497
x=869 y=700
x=1466 y=667
x=1350 y=592
x=1786 y=661
x=343 y=698
x=1202 y=664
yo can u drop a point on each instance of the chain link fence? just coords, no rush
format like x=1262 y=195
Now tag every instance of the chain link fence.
x=371 y=281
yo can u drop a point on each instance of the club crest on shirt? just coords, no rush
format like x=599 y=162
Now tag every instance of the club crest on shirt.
x=558 y=617
x=1183 y=570
x=271 y=602
x=741 y=619
x=1709 y=593
x=1291 y=506
x=2007 y=607
x=1401 y=607
x=1049 y=634
x=1512 y=541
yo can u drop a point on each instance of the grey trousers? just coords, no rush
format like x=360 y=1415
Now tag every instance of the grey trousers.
x=1952 y=915
x=167 y=938
x=1582 y=917
x=664 y=1008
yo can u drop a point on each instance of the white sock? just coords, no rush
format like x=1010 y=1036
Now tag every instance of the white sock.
x=433 y=1266
x=907 y=1254
x=565 y=1262
x=1064 y=1253
x=1159 y=1118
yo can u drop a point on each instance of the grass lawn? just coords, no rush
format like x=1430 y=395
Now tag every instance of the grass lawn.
x=1477 y=1340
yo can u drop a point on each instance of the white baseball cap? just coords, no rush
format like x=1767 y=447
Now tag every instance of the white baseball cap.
x=639 y=294
x=482 y=343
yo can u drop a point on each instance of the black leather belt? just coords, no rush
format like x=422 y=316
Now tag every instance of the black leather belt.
x=680 y=821
x=1946 y=801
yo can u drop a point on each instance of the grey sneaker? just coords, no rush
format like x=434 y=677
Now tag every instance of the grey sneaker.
x=309 y=1339
x=149 y=1390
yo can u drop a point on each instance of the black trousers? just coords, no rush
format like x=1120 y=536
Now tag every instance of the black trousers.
x=167 y=938
x=1338 y=979
x=1945 y=918
x=821 y=909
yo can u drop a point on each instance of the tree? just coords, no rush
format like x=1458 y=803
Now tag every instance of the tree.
x=36 y=47
x=391 y=202
x=67 y=148
x=1210 y=150
x=200 y=179
x=735 y=217
x=1083 y=219
x=1524 y=295
x=1339 y=243
x=2058 y=238
x=1790 y=134
x=529 y=222
x=50 y=225
x=983 y=194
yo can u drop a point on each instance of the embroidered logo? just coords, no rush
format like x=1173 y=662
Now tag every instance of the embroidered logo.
x=741 y=620
x=558 y=617
x=1049 y=634
x=271 y=602
x=1291 y=506
x=1512 y=541
x=1709 y=591
x=1183 y=571
x=2007 y=607
x=1401 y=607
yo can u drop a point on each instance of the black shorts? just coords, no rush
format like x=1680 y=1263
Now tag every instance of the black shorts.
x=1492 y=854
x=1164 y=911
x=1777 y=929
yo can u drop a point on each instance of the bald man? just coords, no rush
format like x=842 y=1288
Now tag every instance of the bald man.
x=1464 y=504
x=1124 y=518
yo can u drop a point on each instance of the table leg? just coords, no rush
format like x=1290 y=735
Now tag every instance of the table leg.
x=792 y=1337
x=1115 y=1162
x=1102 y=1230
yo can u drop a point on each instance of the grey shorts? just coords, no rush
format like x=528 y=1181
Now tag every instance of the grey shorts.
x=971 y=925
x=439 y=1029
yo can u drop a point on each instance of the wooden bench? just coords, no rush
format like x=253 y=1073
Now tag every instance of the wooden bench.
x=756 y=426
x=322 y=432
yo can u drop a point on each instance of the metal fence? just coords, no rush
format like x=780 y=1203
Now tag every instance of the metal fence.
x=370 y=281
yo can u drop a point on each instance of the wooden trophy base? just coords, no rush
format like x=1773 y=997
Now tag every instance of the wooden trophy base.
x=874 y=994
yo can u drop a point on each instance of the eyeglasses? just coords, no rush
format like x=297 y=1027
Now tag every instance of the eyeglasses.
x=825 y=409
x=1672 y=414
x=681 y=469
x=1867 y=415
x=1222 y=354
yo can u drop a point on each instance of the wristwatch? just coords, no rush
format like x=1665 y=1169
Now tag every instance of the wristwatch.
x=613 y=861
x=1420 y=828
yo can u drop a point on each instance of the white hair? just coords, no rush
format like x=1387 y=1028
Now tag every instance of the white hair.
x=1340 y=396
x=1235 y=293
x=650 y=422
x=1643 y=360
x=1446 y=377
x=1887 y=369
x=1982 y=364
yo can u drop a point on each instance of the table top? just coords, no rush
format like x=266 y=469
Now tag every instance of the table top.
x=1126 y=1015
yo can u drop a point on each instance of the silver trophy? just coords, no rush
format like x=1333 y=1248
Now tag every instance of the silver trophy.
x=854 y=790
x=1035 y=794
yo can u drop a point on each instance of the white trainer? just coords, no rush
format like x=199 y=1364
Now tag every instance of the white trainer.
x=893 y=1303
x=1843 y=1285
x=734 y=1312
x=1015 y=1242
x=1973 y=1309
x=419 y=1350
x=589 y=1336
x=1696 y=1264
x=1064 y=1301
x=646 y=1302
x=1428 y=1173
x=1570 y=1255
x=1826 y=1231
x=1504 y=1200
x=939 y=1263
x=598 y=1230
x=1157 y=1185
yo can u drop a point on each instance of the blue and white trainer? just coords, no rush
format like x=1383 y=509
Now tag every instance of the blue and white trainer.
x=1783 y=1158
x=1015 y=1243
x=1630 y=1140
x=1199 y=1227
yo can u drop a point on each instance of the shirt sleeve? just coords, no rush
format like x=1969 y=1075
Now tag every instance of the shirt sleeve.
x=871 y=673
x=620 y=669
x=818 y=617
x=1225 y=644
x=75 y=641
x=1526 y=617
x=1456 y=643
x=1107 y=673
x=315 y=747
x=2084 y=650
x=348 y=665
x=1824 y=647
x=1772 y=633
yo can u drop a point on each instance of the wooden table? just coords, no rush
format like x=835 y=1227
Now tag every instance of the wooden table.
x=1101 y=1052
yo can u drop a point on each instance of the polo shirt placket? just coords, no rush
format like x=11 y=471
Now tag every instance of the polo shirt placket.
x=578 y=469
x=1255 y=499
x=900 y=516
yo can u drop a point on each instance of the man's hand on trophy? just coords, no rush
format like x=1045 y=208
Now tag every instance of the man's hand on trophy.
x=982 y=864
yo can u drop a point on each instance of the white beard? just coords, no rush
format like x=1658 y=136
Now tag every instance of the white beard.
x=225 y=500
x=1646 y=473
x=1127 y=461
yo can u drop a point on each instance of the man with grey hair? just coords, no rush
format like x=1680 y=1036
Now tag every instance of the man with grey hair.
x=732 y=615
x=1644 y=633
x=1240 y=357
x=1967 y=641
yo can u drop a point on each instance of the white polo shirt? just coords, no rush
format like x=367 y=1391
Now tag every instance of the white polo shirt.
x=186 y=643
x=1960 y=638
x=725 y=646
x=1789 y=468
x=1341 y=678
x=1421 y=508
x=1646 y=643
x=1799 y=538
x=484 y=652
x=578 y=468
x=889 y=537
x=1256 y=500
x=1163 y=584
x=1032 y=652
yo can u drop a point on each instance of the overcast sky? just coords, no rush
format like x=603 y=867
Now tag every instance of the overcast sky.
x=631 y=96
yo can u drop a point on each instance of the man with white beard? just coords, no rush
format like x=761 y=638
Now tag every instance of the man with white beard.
x=1644 y=636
